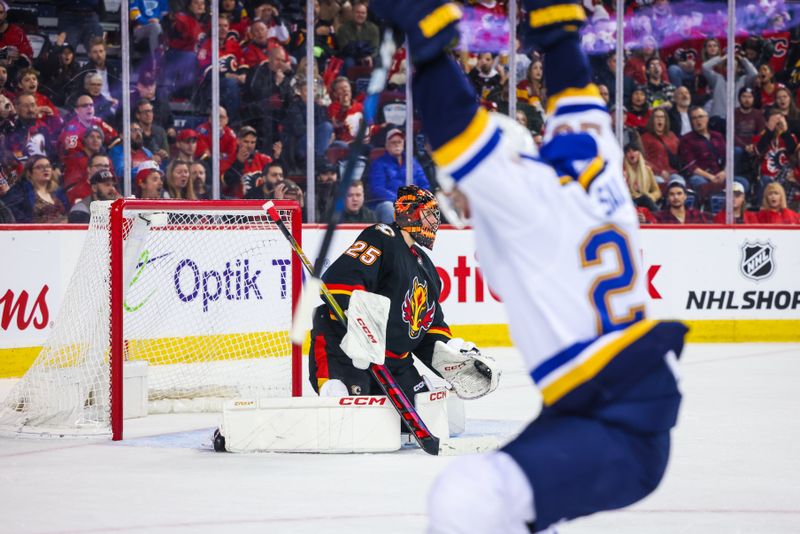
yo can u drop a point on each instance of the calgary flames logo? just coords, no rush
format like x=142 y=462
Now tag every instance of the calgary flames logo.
x=416 y=311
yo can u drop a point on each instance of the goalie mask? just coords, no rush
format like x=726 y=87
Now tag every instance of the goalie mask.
x=413 y=205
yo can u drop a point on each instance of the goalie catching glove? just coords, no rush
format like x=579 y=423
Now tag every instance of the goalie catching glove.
x=471 y=374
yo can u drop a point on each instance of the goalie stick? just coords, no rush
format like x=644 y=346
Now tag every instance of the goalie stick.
x=408 y=414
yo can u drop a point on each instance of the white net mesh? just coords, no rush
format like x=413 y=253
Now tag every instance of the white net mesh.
x=208 y=307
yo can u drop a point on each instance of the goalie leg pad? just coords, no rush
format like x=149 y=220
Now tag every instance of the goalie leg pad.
x=311 y=424
x=432 y=408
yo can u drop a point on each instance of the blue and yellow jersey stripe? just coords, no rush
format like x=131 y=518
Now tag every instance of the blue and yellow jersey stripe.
x=467 y=150
x=439 y=19
x=578 y=364
x=556 y=14
x=594 y=169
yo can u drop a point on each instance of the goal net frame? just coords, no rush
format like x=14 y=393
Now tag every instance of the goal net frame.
x=236 y=363
x=117 y=293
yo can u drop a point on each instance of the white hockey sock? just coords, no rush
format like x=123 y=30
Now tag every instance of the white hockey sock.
x=481 y=494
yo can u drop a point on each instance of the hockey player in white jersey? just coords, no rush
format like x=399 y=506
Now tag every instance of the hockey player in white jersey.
x=556 y=235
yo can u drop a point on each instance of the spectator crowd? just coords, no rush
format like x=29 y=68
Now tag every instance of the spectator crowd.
x=61 y=113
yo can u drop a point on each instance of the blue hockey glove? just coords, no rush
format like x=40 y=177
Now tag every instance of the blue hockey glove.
x=550 y=21
x=430 y=25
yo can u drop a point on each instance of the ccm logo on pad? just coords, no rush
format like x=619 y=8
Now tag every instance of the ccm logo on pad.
x=438 y=395
x=366 y=330
x=362 y=401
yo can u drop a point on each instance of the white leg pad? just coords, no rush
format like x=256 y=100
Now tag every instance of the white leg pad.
x=456 y=414
x=432 y=408
x=311 y=424
x=481 y=494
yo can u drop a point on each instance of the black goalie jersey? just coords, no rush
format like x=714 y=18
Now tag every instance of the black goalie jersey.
x=381 y=262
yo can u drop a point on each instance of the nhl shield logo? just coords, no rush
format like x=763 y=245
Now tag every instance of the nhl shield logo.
x=757 y=260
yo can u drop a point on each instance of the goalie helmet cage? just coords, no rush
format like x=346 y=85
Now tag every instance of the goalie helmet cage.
x=203 y=291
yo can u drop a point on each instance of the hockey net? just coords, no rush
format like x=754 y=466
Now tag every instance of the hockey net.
x=201 y=291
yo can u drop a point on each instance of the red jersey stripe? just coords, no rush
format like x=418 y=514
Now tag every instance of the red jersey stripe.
x=321 y=357
x=344 y=287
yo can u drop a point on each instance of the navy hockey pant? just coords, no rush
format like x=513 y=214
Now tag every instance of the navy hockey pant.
x=582 y=463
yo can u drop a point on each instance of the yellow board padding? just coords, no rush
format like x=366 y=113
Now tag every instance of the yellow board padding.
x=14 y=362
x=191 y=349
x=701 y=331
x=211 y=348
x=744 y=331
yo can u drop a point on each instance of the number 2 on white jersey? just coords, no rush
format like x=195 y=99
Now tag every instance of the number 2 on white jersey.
x=610 y=284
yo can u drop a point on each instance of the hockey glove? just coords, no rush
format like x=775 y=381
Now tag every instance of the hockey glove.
x=430 y=25
x=471 y=374
x=365 y=340
x=550 y=21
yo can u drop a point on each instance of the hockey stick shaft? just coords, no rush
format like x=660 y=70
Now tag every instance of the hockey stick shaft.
x=405 y=409
x=377 y=82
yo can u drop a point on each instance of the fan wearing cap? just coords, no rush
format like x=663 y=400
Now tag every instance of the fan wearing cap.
x=387 y=259
x=186 y=145
x=149 y=180
x=325 y=188
x=740 y=214
x=104 y=187
x=388 y=173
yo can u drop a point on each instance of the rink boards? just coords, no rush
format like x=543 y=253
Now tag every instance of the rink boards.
x=728 y=284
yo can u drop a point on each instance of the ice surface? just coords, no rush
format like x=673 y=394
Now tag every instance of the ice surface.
x=735 y=467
